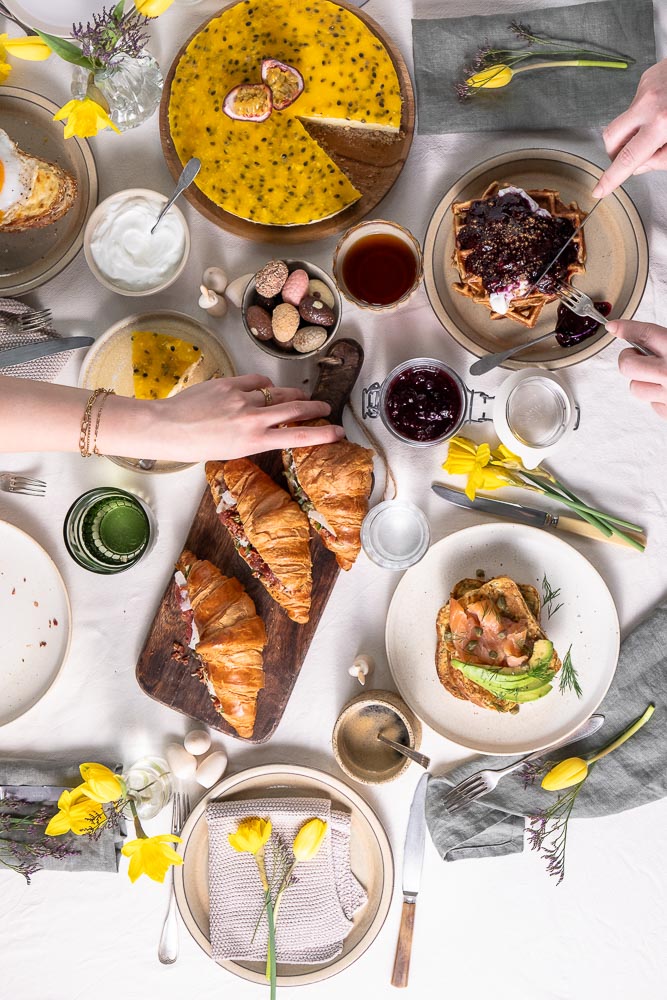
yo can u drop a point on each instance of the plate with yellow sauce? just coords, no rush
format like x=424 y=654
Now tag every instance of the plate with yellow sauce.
x=151 y=355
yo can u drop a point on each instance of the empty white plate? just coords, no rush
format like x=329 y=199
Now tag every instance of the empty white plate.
x=54 y=18
x=35 y=622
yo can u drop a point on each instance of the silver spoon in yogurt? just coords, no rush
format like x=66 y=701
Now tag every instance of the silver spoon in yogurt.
x=188 y=174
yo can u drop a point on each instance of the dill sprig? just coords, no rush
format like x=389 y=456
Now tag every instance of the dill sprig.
x=547 y=832
x=549 y=595
x=569 y=680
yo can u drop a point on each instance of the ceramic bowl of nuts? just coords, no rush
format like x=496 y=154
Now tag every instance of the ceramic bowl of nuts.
x=291 y=309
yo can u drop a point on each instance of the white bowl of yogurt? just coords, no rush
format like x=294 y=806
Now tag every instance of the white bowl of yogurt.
x=122 y=253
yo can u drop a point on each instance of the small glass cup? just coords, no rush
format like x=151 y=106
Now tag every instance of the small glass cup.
x=107 y=530
x=148 y=780
x=371 y=243
x=395 y=534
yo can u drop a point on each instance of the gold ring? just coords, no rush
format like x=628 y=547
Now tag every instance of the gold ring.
x=268 y=398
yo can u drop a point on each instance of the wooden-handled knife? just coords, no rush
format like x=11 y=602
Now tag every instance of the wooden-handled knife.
x=413 y=857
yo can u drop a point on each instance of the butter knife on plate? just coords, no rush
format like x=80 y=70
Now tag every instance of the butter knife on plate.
x=413 y=857
x=530 y=515
x=40 y=349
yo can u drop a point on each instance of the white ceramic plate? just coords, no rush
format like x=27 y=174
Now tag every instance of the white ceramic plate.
x=53 y=18
x=370 y=852
x=35 y=622
x=587 y=622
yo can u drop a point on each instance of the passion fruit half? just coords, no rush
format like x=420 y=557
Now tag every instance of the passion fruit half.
x=285 y=82
x=249 y=102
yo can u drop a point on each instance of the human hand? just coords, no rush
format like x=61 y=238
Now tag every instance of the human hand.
x=229 y=418
x=636 y=140
x=648 y=375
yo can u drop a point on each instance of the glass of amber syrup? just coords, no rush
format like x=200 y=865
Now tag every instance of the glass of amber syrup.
x=378 y=265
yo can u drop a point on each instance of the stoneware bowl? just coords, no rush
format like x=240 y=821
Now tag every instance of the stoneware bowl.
x=355 y=744
x=272 y=347
x=99 y=214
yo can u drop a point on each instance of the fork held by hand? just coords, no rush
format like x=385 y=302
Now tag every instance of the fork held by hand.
x=10 y=482
x=168 y=948
x=483 y=782
x=582 y=305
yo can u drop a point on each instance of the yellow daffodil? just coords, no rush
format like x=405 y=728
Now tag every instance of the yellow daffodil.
x=491 y=78
x=29 y=47
x=152 y=8
x=309 y=839
x=152 y=856
x=76 y=812
x=84 y=118
x=100 y=784
x=251 y=835
x=465 y=458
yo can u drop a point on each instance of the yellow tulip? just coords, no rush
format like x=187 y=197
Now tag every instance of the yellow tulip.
x=76 y=813
x=100 y=784
x=491 y=78
x=152 y=856
x=152 y=8
x=5 y=67
x=30 y=47
x=565 y=774
x=251 y=835
x=84 y=118
x=309 y=839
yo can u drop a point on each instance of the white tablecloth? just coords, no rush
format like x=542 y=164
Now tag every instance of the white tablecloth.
x=494 y=927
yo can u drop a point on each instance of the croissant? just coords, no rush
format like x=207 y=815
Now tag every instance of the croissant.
x=231 y=639
x=333 y=481
x=270 y=531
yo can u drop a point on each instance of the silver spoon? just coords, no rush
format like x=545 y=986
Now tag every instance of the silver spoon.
x=188 y=174
x=419 y=758
x=492 y=361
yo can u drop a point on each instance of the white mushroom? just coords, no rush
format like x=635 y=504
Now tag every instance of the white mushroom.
x=213 y=303
x=236 y=288
x=362 y=668
x=215 y=278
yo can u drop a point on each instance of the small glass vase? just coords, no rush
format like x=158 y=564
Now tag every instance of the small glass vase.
x=148 y=780
x=131 y=86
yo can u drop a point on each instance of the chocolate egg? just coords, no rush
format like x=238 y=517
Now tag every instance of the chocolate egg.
x=321 y=291
x=270 y=279
x=296 y=287
x=309 y=338
x=316 y=311
x=259 y=323
x=284 y=322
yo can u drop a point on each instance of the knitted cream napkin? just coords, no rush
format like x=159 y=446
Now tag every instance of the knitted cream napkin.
x=315 y=913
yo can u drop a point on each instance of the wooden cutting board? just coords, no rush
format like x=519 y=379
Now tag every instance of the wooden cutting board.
x=166 y=664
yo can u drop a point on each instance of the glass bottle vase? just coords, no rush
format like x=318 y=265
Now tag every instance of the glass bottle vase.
x=131 y=86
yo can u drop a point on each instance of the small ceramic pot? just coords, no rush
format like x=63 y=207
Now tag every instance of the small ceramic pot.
x=355 y=744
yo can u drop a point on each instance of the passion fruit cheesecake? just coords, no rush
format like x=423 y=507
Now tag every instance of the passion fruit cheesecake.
x=233 y=104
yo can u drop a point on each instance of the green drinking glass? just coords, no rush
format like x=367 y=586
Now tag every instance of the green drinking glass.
x=107 y=530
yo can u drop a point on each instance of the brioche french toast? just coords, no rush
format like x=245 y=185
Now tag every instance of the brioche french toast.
x=33 y=192
x=491 y=649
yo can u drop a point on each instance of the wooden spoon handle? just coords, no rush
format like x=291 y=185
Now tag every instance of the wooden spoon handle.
x=399 y=976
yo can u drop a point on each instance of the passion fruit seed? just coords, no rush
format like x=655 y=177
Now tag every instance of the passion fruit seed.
x=250 y=102
x=284 y=81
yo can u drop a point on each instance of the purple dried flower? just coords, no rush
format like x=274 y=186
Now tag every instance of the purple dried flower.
x=523 y=31
x=111 y=36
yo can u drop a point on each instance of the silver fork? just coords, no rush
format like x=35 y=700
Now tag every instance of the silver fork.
x=483 y=782
x=10 y=482
x=167 y=950
x=38 y=319
x=582 y=305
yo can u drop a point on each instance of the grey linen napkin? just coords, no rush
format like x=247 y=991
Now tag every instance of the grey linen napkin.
x=100 y=855
x=315 y=913
x=44 y=369
x=634 y=774
x=543 y=99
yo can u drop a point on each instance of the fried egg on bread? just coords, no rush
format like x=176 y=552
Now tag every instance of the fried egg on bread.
x=33 y=192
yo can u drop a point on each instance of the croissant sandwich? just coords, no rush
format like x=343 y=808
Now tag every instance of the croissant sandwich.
x=227 y=636
x=269 y=530
x=332 y=484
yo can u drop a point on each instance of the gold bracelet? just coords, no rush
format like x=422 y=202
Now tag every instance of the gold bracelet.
x=107 y=393
x=84 y=434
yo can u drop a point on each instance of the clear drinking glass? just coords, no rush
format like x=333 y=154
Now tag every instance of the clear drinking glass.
x=107 y=530
x=149 y=782
x=395 y=534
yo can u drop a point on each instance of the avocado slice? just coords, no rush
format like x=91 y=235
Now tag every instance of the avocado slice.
x=485 y=677
x=542 y=654
x=523 y=696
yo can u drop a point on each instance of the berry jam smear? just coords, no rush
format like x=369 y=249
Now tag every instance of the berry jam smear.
x=572 y=329
x=424 y=403
x=512 y=244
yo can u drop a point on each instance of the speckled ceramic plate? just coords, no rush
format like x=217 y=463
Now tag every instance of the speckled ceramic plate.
x=34 y=622
x=108 y=362
x=586 y=622
x=616 y=266
x=28 y=260
x=371 y=862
